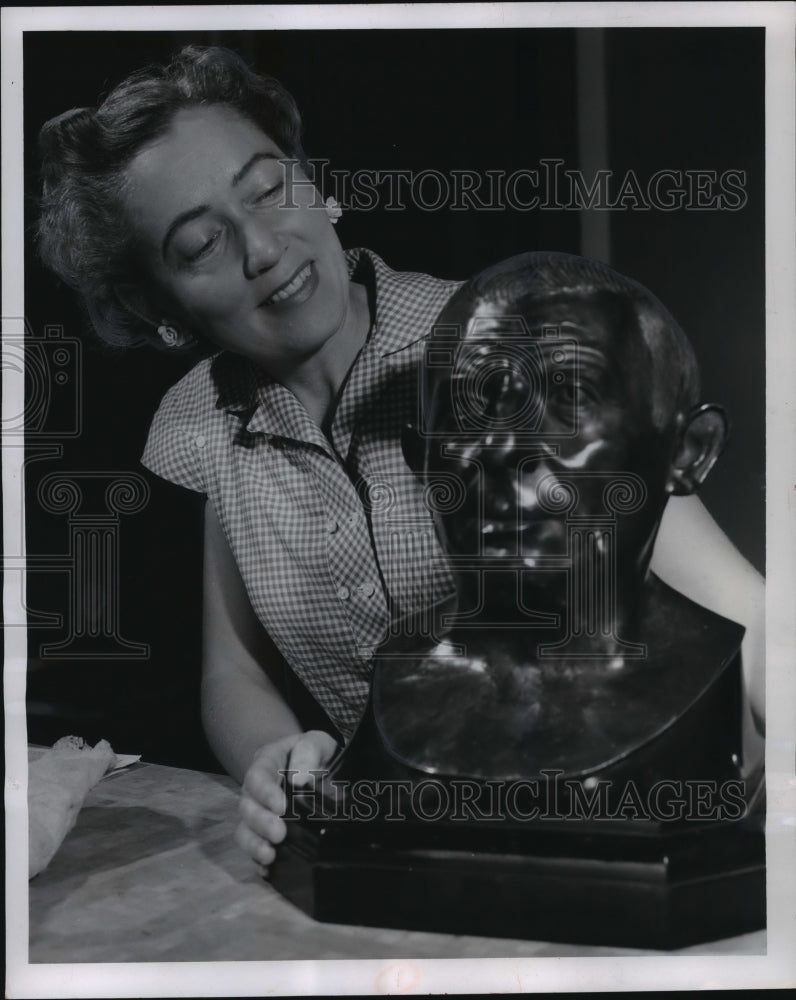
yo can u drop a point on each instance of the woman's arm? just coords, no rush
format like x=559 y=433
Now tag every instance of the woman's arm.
x=693 y=555
x=241 y=707
x=248 y=724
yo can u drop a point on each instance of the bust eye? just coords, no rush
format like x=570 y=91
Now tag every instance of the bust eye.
x=567 y=396
x=573 y=392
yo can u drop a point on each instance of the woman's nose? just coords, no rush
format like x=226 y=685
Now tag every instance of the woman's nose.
x=263 y=246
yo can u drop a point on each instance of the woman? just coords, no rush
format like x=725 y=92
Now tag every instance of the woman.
x=174 y=211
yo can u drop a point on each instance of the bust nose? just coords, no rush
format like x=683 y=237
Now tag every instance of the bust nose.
x=263 y=247
x=512 y=470
x=498 y=459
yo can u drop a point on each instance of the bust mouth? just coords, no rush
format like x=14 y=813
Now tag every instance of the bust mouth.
x=505 y=538
x=492 y=527
x=525 y=539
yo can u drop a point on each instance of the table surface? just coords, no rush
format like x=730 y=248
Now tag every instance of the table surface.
x=150 y=873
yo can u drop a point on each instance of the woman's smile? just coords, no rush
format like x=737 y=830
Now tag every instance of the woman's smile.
x=296 y=290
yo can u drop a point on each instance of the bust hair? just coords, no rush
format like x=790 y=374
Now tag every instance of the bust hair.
x=544 y=275
x=82 y=232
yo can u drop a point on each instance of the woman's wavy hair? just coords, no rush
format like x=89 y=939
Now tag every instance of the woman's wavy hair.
x=82 y=233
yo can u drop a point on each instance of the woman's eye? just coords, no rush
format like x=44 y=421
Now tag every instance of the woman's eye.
x=269 y=193
x=204 y=249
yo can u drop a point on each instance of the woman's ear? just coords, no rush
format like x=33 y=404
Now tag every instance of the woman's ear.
x=701 y=441
x=133 y=298
x=165 y=332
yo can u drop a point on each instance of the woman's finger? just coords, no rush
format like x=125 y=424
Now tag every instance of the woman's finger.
x=265 y=790
x=258 y=849
x=263 y=781
x=310 y=753
x=263 y=822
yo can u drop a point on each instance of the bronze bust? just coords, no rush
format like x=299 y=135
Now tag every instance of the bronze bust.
x=559 y=410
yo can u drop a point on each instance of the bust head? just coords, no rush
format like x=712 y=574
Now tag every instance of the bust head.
x=556 y=391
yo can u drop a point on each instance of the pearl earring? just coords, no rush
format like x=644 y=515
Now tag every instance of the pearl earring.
x=333 y=210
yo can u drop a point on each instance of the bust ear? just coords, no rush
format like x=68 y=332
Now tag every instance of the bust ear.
x=701 y=442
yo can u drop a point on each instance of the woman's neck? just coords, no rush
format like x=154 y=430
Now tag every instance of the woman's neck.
x=317 y=382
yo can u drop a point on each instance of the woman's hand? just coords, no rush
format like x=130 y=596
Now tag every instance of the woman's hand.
x=262 y=801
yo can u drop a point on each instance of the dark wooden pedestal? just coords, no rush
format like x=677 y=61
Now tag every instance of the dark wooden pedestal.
x=577 y=881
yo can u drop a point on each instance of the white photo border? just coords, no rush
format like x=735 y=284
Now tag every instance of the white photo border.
x=775 y=969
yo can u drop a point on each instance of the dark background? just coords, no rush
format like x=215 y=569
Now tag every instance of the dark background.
x=417 y=100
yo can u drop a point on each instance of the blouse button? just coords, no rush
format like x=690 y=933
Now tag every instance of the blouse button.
x=343 y=593
x=332 y=526
x=367 y=589
x=200 y=440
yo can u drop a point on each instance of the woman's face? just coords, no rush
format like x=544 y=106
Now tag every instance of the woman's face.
x=236 y=251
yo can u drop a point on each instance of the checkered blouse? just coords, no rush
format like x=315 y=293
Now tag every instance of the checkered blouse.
x=334 y=544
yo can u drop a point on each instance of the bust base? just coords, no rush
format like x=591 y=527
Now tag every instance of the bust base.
x=615 y=876
x=574 y=882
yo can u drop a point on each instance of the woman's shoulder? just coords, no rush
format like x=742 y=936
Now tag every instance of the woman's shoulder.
x=188 y=412
x=193 y=396
x=199 y=403
x=185 y=428
x=406 y=302
x=362 y=261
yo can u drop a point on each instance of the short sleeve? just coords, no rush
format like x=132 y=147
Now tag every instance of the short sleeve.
x=173 y=453
x=181 y=431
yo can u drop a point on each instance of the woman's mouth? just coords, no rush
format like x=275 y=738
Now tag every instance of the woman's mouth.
x=297 y=288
